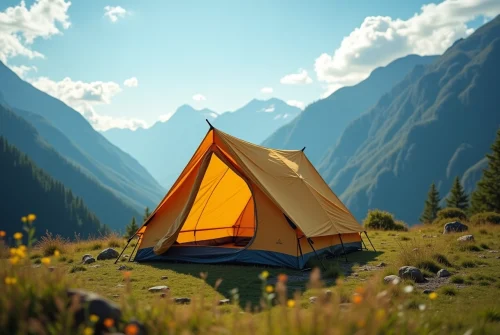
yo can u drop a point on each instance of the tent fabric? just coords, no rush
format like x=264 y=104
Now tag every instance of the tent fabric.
x=240 y=199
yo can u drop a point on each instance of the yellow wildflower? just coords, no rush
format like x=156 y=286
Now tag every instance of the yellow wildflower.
x=88 y=331
x=18 y=236
x=131 y=329
x=108 y=322
x=269 y=289
x=433 y=295
x=57 y=253
x=2 y=233
x=94 y=318
x=24 y=219
x=14 y=260
x=45 y=261
x=10 y=280
x=380 y=314
x=31 y=217
x=264 y=274
x=290 y=303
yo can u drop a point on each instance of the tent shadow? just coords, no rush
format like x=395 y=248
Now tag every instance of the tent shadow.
x=245 y=278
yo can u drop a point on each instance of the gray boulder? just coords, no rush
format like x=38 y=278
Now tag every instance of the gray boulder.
x=466 y=238
x=108 y=253
x=85 y=257
x=160 y=288
x=182 y=301
x=89 y=260
x=411 y=272
x=391 y=278
x=224 y=302
x=443 y=273
x=454 y=227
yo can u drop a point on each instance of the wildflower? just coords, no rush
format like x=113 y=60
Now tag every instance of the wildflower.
x=380 y=314
x=18 y=236
x=88 y=331
x=2 y=233
x=57 y=253
x=433 y=295
x=45 y=261
x=24 y=219
x=408 y=289
x=126 y=274
x=10 y=280
x=269 y=289
x=357 y=299
x=31 y=217
x=14 y=260
x=108 y=322
x=264 y=275
x=282 y=278
x=131 y=329
x=94 y=318
x=290 y=303
x=421 y=307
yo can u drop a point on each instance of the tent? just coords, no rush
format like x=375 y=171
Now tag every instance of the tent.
x=236 y=202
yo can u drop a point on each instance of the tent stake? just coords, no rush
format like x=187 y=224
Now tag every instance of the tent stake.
x=128 y=242
x=343 y=249
x=130 y=257
x=323 y=265
x=370 y=241
x=362 y=242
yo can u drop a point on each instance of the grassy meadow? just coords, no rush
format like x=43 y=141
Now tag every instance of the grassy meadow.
x=345 y=298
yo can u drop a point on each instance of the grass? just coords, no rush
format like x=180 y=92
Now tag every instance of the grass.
x=384 y=308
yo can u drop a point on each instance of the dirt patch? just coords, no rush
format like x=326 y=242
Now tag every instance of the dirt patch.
x=433 y=283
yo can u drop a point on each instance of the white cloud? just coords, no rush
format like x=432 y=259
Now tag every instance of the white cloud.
x=20 y=26
x=266 y=90
x=131 y=82
x=83 y=97
x=382 y=39
x=165 y=117
x=296 y=103
x=199 y=97
x=302 y=77
x=114 y=13
x=22 y=70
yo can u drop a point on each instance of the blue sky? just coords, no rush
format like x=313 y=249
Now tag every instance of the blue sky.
x=226 y=51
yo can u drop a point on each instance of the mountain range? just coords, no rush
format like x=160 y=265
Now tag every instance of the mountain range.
x=166 y=147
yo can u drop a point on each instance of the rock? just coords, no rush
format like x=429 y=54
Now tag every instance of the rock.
x=355 y=274
x=493 y=251
x=124 y=267
x=481 y=256
x=328 y=293
x=116 y=295
x=160 y=288
x=443 y=273
x=92 y=303
x=89 y=260
x=428 y=291
x=391 y=278
x=465 y=238
x=411 y=272
x=108 y=253
x=85 y=257
x=454 y=227
x=95 y=266
x=182 y=301
x=164 y=277
x=125 y=256
x=312 y=300
x=381 y=265
x=224 y=302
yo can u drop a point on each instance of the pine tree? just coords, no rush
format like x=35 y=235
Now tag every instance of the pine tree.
x=431 y=205
x=131 y=228
x=458 y=198
x=147 y=213
x=486 y=197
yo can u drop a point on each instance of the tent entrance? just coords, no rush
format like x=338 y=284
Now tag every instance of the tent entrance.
x=222 y=214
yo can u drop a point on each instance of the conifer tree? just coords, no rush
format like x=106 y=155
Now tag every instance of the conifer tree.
x=458 y=198
x=131 y=228
x=431 y=205
x=147 y=213
x=486 y=197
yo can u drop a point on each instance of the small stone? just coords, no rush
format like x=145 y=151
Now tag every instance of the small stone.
x=124 y=267
x=164 y=277
x=116 y=295
x=465 y=238
x=381 y=265
x=328 y=293
x=453 y=227
x=224 y=302
x=411 y=272
x=391 y=278
x=182 y=301
x=95 y=266
x=312 y=300
x=108 y=253
x=85 y=257
x=481 y=256
x=158 y=288
x=89 y=260
x=355 y=274
x=493 y=251
x=443 y=273
x=428 y=291
x=126 y=256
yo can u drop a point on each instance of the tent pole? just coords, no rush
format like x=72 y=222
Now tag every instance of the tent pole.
x=362 y=242
x=323 y=265
x=304 y=148
x=211 y=127
x=128 y=242
x=136 y=245
x=370 y=241
x=343 y=249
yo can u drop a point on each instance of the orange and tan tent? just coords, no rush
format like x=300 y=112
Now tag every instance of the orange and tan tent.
x=242 y=203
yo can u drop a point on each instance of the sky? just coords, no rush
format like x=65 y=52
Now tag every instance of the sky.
x=130 y=63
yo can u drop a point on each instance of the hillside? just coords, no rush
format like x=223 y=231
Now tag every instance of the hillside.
x=320 y=125
x=28 y=189
x=109 y=208
x=166 y=147
x=82 y=144
x=438 y=123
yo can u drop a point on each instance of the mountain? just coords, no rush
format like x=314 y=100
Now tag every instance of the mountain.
x=102 y=200
x=320 y=125
x=438 y=123
x=166 y=147
x=28 y=189
x=70 y=134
